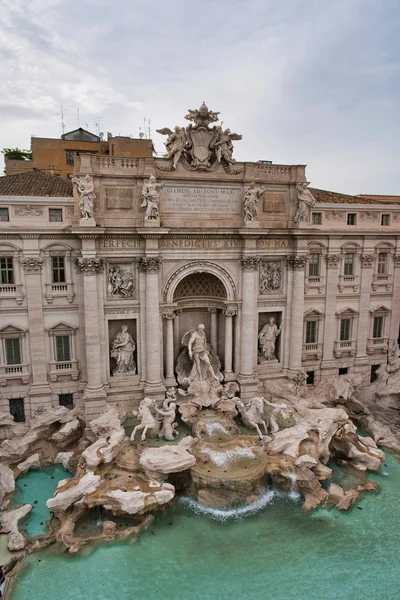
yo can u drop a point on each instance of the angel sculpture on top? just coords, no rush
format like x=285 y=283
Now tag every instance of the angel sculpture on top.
x=223 y=144
x=175 y=144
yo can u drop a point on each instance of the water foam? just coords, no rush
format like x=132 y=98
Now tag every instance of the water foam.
x=239 y=512
x=215 y=427
x=220 y=458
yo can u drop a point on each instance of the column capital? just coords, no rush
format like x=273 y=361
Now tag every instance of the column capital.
x=168 y=314
x=250 y=263
x=396 y=259
x=230 y=312
x=32 y=264
x=149 y=263
x=213 y=310
x=367 y=260
x=89 y=266
x=332 y=260
x=297 y=261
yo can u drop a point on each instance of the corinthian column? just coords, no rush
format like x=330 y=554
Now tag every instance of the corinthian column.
x=229 y=314
x=154 y=385
x=248 y=323
x=214 y=335
x=298 y=264
x=94 y=394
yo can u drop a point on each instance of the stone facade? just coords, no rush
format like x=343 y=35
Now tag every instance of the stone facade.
x=331 y=283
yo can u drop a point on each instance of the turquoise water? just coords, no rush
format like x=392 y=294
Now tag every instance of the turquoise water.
x=280 y=553
x=35 y=487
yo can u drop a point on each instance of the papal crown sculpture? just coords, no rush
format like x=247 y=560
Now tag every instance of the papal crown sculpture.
x=200 y=146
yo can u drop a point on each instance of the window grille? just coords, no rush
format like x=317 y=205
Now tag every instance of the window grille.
x=66 y=400
x=69 y=157
x=17 y=409
x=200 y=284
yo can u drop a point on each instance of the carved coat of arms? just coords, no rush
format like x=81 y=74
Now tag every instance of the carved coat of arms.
x=200 y=146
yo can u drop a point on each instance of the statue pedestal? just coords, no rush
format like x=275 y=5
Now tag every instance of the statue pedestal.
x=252 y=224
x=87 y=222
x=152 y=222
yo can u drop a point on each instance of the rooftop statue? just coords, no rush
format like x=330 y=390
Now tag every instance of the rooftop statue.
x=251 y=200
x=151 y=198
x=306 y=203
x=85 y=188
x=200 y=146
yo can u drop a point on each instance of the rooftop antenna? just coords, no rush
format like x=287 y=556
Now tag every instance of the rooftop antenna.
x=149 y=129
x=61 y=114
x=97 y=124
x=145 y=127
x=77 y=117
x=141 y=134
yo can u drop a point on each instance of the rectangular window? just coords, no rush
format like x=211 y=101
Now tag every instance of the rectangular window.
x=69 y=156
x=4 y=216
x=378 y=327
x=374 y=374
x=55 y=215
x=6 y=270
x=317 y=218
x=66 y=400
x=345 y=330
x=13 y=351
x=17 y=409
x=351 y=218
x=313 y=265
x=63 y=353
x=382 y=263
x=385 y=219
x=311 y=332
x=348 y=264
x=343 y=370
x=58 y=269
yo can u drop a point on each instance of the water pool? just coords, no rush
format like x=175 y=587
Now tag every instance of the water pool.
x=280 y=553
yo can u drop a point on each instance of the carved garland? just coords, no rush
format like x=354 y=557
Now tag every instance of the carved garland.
x=28 y=210
x=297 y=262
x=89 y=266
x=199 y=267
x=32 y=265
x=149 y=263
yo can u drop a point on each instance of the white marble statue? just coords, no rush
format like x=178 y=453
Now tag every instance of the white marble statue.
x=196 y=361
x=148 y=421
x=252 y=414
x=123 y=347
x=223 y=144
x=85 y=187
x=250 y=202
x=120 y=282
x=175 y=143
x=151 y=198
x=270 y=277
x=306 y=202
x=267 y=340
x=169 y=425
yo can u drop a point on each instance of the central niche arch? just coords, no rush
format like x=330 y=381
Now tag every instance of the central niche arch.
x=200 y=285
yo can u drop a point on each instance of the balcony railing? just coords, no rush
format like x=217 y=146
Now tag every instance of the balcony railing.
x=11 y=290
x=379 y=280
x=13 y=372
x=379 y=344
x=315 y=282
x=312 y=350
x=59 y=290
x=347 y=281
x=344 y=347
x=63 y=368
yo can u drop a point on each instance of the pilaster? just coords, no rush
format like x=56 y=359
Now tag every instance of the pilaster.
x=298 y=263
x=248 y=324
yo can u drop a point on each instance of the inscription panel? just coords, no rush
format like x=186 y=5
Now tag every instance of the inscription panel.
x=184 y=199
x=274 y=202
x=118 y=198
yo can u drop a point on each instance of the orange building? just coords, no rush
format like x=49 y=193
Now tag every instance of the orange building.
x=57 y=155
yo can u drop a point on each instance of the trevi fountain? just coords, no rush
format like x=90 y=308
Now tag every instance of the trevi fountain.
x=224 y=439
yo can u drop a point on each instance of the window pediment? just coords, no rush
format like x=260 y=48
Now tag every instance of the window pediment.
x=62 y=328
x=381 y=308
x=346 y=312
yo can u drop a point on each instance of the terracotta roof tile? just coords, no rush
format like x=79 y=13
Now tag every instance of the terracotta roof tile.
x=336 y=198
x=35 y=183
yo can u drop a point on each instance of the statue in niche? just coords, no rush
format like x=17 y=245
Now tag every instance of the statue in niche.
x=306 y=203
x=120 y=282
x=197 y=362
x=85 y=187
x=267 y=341
x=122 y=351
x=250 y=202
x=175 y=143
x=270 y=277
x=151 y=198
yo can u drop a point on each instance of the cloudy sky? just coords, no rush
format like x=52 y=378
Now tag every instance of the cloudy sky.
x=314 y=82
